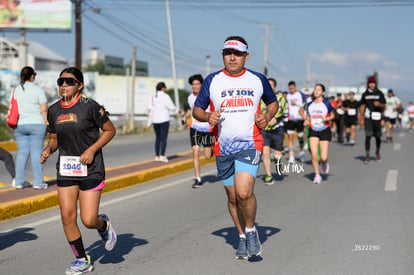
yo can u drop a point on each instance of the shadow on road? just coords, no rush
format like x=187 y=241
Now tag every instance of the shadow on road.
x=210 y=179
x=232 y=237
x=124 y=245
x=17 y=235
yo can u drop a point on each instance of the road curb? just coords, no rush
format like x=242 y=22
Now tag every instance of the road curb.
x=40 y=202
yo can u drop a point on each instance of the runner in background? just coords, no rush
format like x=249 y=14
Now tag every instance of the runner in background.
x=332 y=100
x=319 y=114
x=200 y=132
x=339 y=118
x=372 y=105
x=296 y=101
x=350 y=106
x=273 y=134
x=410 y=111
x=393 y=105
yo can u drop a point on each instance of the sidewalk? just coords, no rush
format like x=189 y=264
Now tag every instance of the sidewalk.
x=14 y=203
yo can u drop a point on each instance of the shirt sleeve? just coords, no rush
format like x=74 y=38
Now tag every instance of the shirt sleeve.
x=99 y=114
x=268 y=95
x=203 y=97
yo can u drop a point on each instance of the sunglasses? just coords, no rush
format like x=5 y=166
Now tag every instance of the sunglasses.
x=68 y=80
x=236 y=53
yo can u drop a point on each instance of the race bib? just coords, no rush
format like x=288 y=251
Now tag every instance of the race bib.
x=317 y=122
x=340 y=111
x=70 y=166
x=376 y=116
x=351 y=112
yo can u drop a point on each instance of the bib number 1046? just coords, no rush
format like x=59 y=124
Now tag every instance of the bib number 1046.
x=70 y=166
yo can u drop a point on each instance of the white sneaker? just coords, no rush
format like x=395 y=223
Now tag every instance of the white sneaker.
x=305 y=146
x=13 y=183
x=157 y=158
x=291 y=159
x=42 y=186
x=163 y=159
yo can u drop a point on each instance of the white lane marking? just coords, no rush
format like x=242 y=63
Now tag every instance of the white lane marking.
x=397 y=147
x=391 y=181
x=103 y=204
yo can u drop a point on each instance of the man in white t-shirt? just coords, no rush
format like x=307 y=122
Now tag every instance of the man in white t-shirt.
x=410 y=111
x=296 y=101
x=200 y=132
x=234 y=94
x=393 y=104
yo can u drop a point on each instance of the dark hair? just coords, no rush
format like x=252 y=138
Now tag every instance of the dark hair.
x=273 y=80
x=292 y=83
x=160 y=85
x=238 y=38
x=75 y=72
x=322 y=87
x=198 y=77
x=25 y=74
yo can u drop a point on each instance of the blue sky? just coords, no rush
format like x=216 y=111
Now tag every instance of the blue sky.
x=344 y=43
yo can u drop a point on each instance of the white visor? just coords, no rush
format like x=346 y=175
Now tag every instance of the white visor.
x=236 y=45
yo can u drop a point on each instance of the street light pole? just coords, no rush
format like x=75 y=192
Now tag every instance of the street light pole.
x=78 y=29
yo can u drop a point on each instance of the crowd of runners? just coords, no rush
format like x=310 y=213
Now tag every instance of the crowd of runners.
x=309 y=121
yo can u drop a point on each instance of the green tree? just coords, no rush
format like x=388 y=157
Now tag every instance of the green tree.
x=182 y=96
x=5 y=132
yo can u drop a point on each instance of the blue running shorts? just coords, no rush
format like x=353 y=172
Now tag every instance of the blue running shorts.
x=243 y=161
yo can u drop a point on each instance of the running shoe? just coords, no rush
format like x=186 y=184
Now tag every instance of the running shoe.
x=325 y=167
x=367 y=159
x=163 y=159
x=268 y=180
x=109 y=235
x=254 y=247
x=352 y=142
x=197 y=183
x=157 y=158
x=241 y=252
x=317 y=179
x=378 y=157
x=42 y=186
x=302 y=156
x=291 y=159
x=305 y=146
x=80 y=266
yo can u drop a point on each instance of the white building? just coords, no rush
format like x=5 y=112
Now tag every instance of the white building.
x=38 y=56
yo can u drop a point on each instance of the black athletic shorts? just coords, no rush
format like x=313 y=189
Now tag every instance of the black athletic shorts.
x=293 y=125
x=349 y=121
x=322 y=135
x=201 y=138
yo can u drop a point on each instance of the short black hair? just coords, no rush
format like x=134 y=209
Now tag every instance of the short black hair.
x=198 y=77
x=273 y=80
x=292 y=83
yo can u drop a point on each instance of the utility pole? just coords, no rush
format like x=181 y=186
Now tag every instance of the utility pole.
x=78 y=29
x=132 y=110
x=207 y=64
x=266 y=46
x=177 y=99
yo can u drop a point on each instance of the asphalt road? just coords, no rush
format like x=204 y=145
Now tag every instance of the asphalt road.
x=358 y=221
